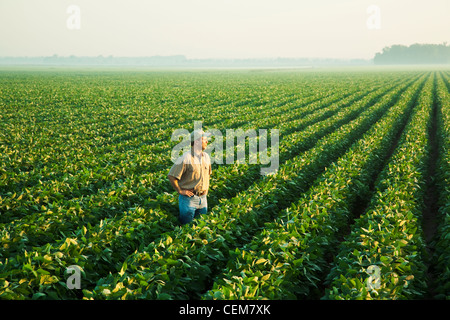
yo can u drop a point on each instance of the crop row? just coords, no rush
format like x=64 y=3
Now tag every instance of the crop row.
x=289 y=257
x=442 y=244
x=384 y=255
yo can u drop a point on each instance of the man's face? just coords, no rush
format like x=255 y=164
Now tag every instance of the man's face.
x=203 y=142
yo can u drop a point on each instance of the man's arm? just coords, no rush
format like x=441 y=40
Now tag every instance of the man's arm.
x=174 y=183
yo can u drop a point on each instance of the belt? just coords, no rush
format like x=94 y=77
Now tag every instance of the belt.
x=199 y=194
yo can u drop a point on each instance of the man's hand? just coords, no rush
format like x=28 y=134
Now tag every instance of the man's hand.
x=188 y=193
x=177 y=188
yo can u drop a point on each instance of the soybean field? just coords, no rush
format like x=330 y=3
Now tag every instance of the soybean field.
x=359 y=207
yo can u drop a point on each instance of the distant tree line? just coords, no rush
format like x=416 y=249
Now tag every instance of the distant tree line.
x=414 y=54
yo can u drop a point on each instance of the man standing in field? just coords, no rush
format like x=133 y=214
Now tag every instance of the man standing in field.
x=189 y=176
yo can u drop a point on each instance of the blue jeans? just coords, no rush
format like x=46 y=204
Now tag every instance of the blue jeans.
x=191 y=207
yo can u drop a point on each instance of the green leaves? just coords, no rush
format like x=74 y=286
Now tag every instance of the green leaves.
x=391 y=238
x=441 y=258
x=83 y=165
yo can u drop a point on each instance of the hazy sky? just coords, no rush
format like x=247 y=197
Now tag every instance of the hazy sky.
x=219 y=28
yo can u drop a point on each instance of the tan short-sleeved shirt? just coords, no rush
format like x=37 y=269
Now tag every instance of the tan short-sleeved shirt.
x=192 y=171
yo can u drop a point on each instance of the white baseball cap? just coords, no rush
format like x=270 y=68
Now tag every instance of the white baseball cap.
x=197 y=134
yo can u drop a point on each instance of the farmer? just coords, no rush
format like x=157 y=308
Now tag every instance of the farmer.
x=189 y=176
